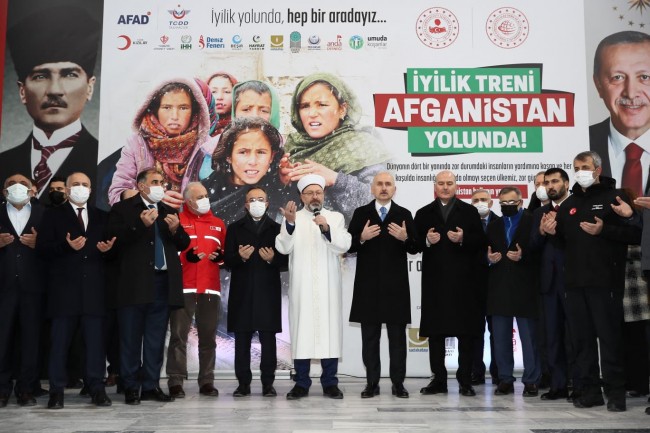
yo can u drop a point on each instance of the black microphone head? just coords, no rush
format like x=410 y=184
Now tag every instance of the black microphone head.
x=315 y=208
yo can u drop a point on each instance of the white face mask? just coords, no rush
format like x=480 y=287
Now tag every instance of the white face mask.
x=79 y=194
x=156 y=193
x=17 y=194
x=257 y=209
x=541 y=194
x=203 y=205
x=482 y=207
x=585 y=178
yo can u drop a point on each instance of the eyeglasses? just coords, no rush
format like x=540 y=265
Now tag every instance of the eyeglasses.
x=313 y=193
x=256 y=199
x=509 y=202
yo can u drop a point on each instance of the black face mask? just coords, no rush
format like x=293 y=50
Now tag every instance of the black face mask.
x=509 y=210
x=57 y=198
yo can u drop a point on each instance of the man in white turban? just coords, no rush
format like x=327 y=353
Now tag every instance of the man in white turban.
x=314 y=239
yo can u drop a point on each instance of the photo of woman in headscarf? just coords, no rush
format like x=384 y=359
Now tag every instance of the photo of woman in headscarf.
x=221 y=85
x=328 y=141
x=171 y=127
x=247 y=154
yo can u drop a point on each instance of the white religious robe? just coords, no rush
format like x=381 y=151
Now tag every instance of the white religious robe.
x=315 y=284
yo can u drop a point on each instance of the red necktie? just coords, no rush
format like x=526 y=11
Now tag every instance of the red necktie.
x=632 y=171
x=80 y=217
x=42 y=172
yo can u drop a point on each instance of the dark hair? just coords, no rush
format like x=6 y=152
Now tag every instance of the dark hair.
x=234 y=130
x=509 y=189
x=31 y=181
x=142 y=176
x=154 y=105
x=554 y=170
x=335 y=92
x=254 y=187
x=57 y=179
x=256 y=86
x=625 y=37
x=222 y=75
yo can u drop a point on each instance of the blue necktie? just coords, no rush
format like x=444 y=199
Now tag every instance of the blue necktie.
x=508 y=224
x=160 y=252
x=382 y=213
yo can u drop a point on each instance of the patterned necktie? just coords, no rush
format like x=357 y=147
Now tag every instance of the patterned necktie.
x=484 y=221
x=632 y=171
x=42 y=172
x=80 y=217
x=382 y=213
x=160 y=252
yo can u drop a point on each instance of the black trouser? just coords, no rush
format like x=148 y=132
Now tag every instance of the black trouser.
x=268 y=362
x=635 y=341
x=437 y=359
x=596 y=313
x=370 y=340
x=478 y=366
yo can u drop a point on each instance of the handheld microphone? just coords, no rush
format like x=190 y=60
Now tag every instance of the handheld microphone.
x=316 y=210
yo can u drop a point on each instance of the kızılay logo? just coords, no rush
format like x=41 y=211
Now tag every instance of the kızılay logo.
x=437 y=27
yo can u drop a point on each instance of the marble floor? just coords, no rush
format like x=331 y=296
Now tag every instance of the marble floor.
x=385 y=413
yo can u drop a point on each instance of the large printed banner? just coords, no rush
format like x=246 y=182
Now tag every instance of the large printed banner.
x=493 y=91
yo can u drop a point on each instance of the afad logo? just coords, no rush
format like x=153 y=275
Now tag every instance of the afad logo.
x=415 y=342
x=179 y=18
x=277 y=42
x=164 y=44
x=335 y=45
x=134 y=19
x=125 y=42
x=356 y=42
x=437 y=28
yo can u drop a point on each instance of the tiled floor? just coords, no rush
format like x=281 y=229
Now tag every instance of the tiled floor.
x=385 y=413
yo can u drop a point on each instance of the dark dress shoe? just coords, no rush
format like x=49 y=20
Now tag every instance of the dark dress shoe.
x=478 y=380
x=85 y=392
x=155 y=394
x=434 y=388
x=398 y=391
x=177 y=391
x=297 y=392
x=101 y=399
x=132 y=396
x=555 y=394
x=504 y=388
x=616 y=406
x=530 y=390
x=269 y=391
x=25 y=399
x=55 y=401
x=647 y=410
x=636 y=394
x=242 y=391
x=40 y=392
x=586 y=401
x=370 y=391
x=74 y=384
x=333 y=391
x=209 y=390
x=467 y=391
x=111 y=380
x=4 y=399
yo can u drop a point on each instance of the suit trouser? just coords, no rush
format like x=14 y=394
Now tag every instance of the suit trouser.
x=112 y=339
x=23 y=312
x=555 y=324
x=636 y=355
x=596 y=313
x=437 y=353
x=268 y=362
x=63 y=331
x=527 y=327
x=478 y=366
x=370 y=343
x=327 y=378
x=205 y=309
x=142 y=332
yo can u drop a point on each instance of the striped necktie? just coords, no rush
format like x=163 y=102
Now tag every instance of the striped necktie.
x=42 y=172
